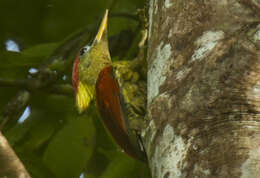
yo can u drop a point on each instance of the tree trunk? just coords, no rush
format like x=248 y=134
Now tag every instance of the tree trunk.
x=204 y=88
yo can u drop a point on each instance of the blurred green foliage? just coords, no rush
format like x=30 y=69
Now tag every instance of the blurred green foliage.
x=55 y=141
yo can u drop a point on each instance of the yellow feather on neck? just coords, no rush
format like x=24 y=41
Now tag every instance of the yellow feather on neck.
x=84 y=96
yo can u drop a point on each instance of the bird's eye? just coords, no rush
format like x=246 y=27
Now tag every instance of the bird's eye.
x=84 y=50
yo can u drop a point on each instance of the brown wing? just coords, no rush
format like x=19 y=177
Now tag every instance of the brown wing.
x=108 y=102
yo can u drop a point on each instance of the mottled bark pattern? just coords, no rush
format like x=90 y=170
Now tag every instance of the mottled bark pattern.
x=204 y=88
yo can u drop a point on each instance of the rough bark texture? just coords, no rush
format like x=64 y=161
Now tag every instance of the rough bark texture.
x=10 y=165
x=204 y=88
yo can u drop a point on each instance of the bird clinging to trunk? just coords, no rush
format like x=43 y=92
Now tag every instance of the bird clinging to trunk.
x=118 y=89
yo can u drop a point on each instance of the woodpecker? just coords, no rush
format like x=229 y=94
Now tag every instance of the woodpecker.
x=117 y=89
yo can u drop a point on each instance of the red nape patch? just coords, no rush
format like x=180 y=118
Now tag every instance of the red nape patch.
x=75 y=77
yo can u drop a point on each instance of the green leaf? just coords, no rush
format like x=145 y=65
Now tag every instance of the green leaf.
x=67 y=154
x=33 y=163
x=38 y=134
x=40 y=50
x=15 y=65
x=31 y=57
x=123 y=166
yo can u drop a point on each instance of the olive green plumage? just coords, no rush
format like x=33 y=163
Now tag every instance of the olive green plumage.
x=119 y=89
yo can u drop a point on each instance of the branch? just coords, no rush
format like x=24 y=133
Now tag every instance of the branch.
x=64 y=89
x=33 y=84
x=12 y=83
x=16 y=105
x=10 y=164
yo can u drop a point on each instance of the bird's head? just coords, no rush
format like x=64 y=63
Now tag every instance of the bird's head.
x=88 y=64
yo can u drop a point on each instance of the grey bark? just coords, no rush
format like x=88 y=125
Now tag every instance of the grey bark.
x=203 y=89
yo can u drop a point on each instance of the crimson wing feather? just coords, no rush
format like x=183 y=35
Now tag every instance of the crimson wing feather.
x=108 y=102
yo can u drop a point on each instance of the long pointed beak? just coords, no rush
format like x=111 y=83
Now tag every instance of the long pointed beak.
x=102 y=28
